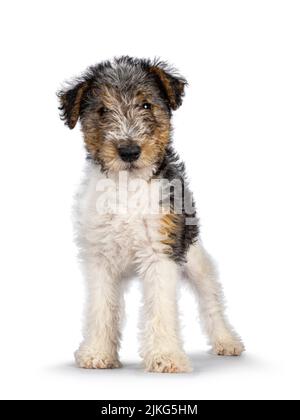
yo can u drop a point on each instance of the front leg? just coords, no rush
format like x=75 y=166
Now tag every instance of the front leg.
x=161 y=346
x=99 y=349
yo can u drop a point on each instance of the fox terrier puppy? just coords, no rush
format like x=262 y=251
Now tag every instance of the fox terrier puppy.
x=135 y=214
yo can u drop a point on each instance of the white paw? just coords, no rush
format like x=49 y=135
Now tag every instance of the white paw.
x=168 y=363
x=89 y=359
x=228 y=346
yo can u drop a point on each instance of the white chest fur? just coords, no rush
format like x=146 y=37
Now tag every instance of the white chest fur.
x=117 y=215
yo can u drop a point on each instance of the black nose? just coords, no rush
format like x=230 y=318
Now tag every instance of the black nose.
x=130 y=153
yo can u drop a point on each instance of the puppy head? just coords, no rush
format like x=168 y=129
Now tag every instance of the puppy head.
x=125 y=108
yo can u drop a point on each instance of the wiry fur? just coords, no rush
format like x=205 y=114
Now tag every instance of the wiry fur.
x=160 y=248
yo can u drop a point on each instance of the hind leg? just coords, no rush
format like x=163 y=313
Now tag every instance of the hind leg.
x=202 y=274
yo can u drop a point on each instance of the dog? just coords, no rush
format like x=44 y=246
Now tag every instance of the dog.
x=125 y=108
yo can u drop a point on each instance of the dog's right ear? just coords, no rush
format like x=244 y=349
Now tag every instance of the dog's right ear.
x=72 y=102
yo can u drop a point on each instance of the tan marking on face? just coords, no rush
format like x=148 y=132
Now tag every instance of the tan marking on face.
x=93 y=129
x=154 y=146
x=109 y=154
x=143 y=97
x=104 y=134
x=105 y=152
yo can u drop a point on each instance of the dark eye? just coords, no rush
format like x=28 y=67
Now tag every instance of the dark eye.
x=102 y=111
x=146 y=105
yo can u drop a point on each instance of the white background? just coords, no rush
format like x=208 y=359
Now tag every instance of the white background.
x=238 y=132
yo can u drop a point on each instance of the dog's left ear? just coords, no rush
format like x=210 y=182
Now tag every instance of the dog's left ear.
x=72 y=102
x=171 y=84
